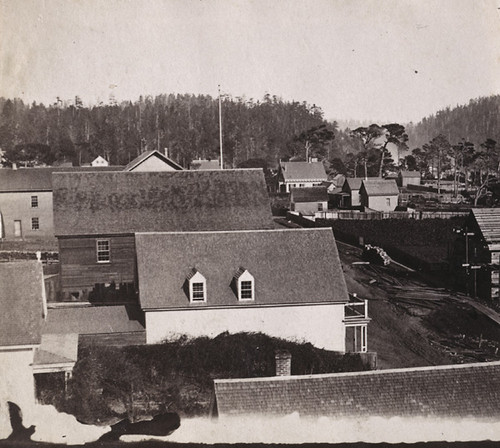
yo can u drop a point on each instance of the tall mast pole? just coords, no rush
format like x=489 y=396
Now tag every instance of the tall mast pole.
x=220 y=132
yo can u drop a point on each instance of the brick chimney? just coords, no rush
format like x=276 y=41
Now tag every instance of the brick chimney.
x=283 y=360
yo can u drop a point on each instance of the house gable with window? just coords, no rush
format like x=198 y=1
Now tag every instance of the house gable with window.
x=97 y=214
x=379 y=194
x=251 y=281
x=152 y=161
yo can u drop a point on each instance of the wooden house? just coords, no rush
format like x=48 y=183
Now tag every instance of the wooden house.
x=206 y=283
x=476 y=257
x=97 y=214
x=300 y=175
x=350 y=192
x=406 y=178
x=99 y=161
x=26 y=208
x=308 y=201
x=379 y=194
x=152 y=160
x=452 y=391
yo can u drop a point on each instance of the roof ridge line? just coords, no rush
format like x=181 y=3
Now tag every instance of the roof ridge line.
x=360 y=373
x=235 y=231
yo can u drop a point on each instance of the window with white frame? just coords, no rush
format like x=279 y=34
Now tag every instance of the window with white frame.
x=197 y=287
x=246 y=285
x=35 y=224
x=34 y=201
x=103 y=251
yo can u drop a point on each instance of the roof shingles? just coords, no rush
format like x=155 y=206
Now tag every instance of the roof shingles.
x=129 y=202
x=21 y=295
x=445 y=391
x=275 y=258
x=305 y=171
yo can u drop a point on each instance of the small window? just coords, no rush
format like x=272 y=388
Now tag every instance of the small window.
x=246 y=284
x=246 y=290
x=34 y=201
x=35 y=224
x=103 y=251
x=320 y=206
x=388 y=201
x=302 y=185
x=197 y=287
x=198 y=292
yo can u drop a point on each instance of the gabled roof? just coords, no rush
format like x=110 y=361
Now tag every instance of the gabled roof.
x=275 y=258
x=305 y=171
x=439 y=391
x=129 y=202
x=488 y=220
x=39 y=179
x=205 y=165
x=22 y=300
x=148 y=155
x=380 y=187
x=310 y=194
x=412 y=174
x=354 y=183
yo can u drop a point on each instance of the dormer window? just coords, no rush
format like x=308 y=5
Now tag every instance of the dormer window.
x=245 y=285
x=197 y=287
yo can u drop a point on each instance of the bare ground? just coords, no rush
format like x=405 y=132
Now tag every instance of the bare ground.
x=415 y=323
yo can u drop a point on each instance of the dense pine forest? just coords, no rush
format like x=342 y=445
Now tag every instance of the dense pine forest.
x=188 y=125
x=462 y=140
x=474 y=122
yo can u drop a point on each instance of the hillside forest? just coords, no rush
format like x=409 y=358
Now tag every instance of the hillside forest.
x=459 y=142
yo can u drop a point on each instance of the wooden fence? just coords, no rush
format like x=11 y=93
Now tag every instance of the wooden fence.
x=347 y=214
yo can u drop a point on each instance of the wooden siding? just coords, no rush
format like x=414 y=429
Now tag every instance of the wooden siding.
x=79 y=266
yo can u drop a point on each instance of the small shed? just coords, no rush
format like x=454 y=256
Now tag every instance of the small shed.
x=202 y=165
x=310 y=200
x=379 y=194
x=406 y=178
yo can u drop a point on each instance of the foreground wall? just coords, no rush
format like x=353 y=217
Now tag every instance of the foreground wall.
x=321 y=325
x=16 y=373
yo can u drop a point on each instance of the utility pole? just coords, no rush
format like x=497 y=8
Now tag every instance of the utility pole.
x=220 y=133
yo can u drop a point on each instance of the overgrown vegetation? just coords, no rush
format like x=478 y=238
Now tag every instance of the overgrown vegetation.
x=110 y=382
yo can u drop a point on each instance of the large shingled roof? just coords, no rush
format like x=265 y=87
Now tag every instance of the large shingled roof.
x=39 y=179
x=467 y=390
x=129 y=202
x=488 y=220
x=306 y=171
x=21 y=297
x=277 y=259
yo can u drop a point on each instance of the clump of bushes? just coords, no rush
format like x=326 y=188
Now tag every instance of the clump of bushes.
x=177 y=375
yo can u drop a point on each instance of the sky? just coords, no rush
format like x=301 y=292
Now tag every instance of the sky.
x=379 y=60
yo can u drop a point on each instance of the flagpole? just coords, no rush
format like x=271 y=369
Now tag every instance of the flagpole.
x=220 y=132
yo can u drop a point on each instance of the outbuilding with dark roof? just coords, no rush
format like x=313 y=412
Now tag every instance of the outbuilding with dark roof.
x=309 y=200
x=205 y=283
x=379 y=194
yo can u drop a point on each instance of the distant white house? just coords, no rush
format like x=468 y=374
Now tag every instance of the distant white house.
x=300 y=175
x=99 y=161
x=310 y=200
x=243 y=281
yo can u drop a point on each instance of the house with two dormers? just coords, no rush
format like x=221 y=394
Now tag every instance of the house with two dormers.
x=287 y=283
x=201 y=253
